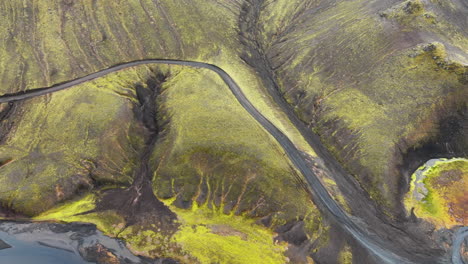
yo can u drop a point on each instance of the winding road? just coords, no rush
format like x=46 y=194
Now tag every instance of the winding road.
x=324 y=199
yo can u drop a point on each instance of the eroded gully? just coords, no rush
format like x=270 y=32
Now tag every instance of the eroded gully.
x=372 y=243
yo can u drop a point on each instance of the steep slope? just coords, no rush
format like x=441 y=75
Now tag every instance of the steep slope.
x=374 y=79
x=383 y=83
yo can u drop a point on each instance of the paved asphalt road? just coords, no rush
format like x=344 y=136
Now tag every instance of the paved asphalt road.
x=373 y=244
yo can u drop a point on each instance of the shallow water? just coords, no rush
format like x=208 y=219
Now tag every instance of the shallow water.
x=53 y=243
x=34 y=252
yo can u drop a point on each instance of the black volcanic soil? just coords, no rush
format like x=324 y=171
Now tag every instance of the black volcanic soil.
x=7 y=111
x=137 y=203
x=449 y=141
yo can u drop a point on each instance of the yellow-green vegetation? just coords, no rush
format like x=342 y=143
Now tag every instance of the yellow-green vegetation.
x=253 y=89
x=70 y=141
x=405 y=10
x=61 y=40
x=207 y=32
x=150 y=242
x=211 y=236
x=47 y=43
x=356 y=72
x=415 y=15
x=345 y=256
x=210 y=152
x=438 y=193
x=371 y=112
x=141 y=240
x=205 y=235
x=108 y=222
x=70 y=209
x=360 y=79
x=215 y=152
x=213 y=148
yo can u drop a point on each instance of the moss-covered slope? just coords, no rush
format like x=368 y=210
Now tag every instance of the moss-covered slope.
x=89 y=139
x=373 y=78
x=211 y=159
x=379 y=81
x=69 y=142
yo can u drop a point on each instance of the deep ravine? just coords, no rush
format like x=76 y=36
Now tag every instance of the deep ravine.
x=380 y=246
x=138 y=203
x=410 y=243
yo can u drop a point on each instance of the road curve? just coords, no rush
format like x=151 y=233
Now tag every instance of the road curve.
x=322 y=196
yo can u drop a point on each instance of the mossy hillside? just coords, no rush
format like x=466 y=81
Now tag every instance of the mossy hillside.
x=316 y=84
x=205 y=234
x=431 y=17
x=208 y=235
x=355 y=77
x=334 y=29
x=402 y=93
x=215 y=152
x=216 y=156
x=71 y=140
x=405 y=11
x=77 y=210
x=444 y=201
x=59 y=40
x=222 y=140
x=212 y=236
x=93 y=35
x=256 y=93
x=218 y=44
x=225 y=54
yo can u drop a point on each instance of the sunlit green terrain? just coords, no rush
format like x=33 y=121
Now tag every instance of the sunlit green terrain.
x=165 y=157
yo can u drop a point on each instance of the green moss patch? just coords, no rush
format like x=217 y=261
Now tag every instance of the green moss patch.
x=70 y=141
x=354 y=77
x=346 y=255
x=78 y=211
x=88 y=128
x=439 y=193
x=205 y=235
x=213 y=237
x=215 y=152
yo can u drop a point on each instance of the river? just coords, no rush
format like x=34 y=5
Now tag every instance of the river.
x=53 y=243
